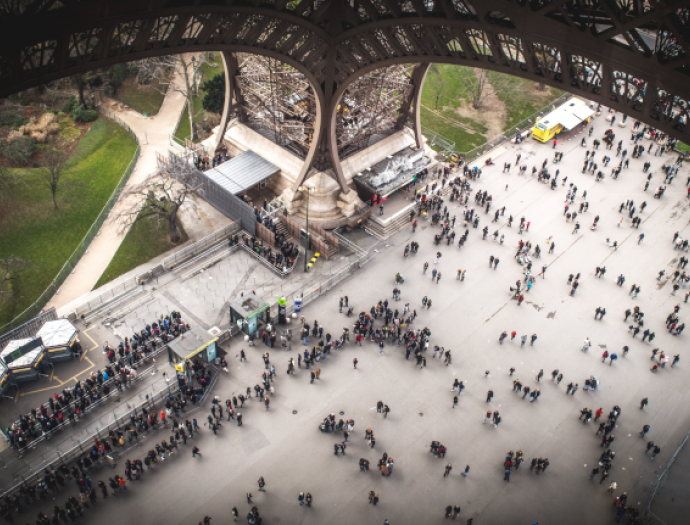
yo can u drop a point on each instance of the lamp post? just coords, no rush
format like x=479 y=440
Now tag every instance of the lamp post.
x=306 y=190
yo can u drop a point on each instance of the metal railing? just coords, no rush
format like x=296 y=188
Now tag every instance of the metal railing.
x=72 y=448
x=200 y=246
x=469 y=156
x=29 y=328
x=47 y=436
x=76 y=255
x=268 y=264
x=436 y=139
x=660 y=482
x=351 y=245
x=115 y=292
x=324 y=282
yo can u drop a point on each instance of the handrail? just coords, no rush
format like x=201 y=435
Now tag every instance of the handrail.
x=78 y=450
x=268 y=263
x=347 y=242
x=46 y=435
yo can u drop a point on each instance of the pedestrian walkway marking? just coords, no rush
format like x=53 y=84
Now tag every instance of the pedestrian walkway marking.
x=60 y=382
x=95 y=344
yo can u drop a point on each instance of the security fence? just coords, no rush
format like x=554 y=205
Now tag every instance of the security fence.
x=447 y=146
x=29 y=328
x=97 y=427
x=81 y=248
x=649 y=516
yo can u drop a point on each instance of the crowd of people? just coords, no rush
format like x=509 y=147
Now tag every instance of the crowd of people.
x=56 y=478
x=389 y=325
x=282 y=259
x=73 y=403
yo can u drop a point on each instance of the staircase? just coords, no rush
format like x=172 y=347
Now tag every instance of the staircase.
x=385 y=230
x=282 y=230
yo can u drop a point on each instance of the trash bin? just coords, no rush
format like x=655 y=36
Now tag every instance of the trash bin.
x=298 y=305
x=282 y=310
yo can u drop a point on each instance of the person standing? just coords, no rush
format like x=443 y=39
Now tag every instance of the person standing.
x=449 y=467
x=506 y=475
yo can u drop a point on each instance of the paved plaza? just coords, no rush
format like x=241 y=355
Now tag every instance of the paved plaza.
x=285 y=446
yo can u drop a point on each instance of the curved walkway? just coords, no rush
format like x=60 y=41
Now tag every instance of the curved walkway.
x=153 y=136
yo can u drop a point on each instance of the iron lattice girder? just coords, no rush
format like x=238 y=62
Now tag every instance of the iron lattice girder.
x=632 y=55
x=277 y=97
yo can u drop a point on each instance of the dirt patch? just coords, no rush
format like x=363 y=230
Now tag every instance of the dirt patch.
x=492 y=114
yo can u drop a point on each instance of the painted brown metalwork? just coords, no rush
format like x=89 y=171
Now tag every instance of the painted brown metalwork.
x=631 y=55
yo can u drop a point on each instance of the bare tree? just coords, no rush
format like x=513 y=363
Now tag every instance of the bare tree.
x=54 y=167
x=160 y=195
x=438 y=86
x=186 y=66
x=10 y=270
x=479 y=87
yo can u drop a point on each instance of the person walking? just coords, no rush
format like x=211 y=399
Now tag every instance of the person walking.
x=489 y=395
x=195 y=451
x=506 y=475
x=449 y=467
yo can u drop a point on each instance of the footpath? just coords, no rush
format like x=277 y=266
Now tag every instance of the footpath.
x=153 y=135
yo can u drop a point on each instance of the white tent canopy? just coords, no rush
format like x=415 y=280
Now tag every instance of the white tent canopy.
x=57 y=333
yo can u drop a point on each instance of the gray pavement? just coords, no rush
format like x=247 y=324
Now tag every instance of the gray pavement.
x=467 y=317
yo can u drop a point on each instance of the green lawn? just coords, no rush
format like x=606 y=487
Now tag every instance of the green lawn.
x=144 y=99
x=183 y=130
x=682 y=147
x=444 y=81
x=464 y=140
x=30 y=228
x=519 y=97
x=145 y=240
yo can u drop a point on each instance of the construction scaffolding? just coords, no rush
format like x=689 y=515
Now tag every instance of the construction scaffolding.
x=277 y=101
x=373 y=107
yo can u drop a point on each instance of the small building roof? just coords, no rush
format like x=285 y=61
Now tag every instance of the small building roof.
x=249 y=305
x=242 y=172
x=59 y=332
x=28 y=357
x=192 y=341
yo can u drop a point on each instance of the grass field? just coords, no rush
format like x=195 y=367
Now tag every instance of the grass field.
x=521 y=98
x=144 y=99
x=183 y=130
x=145 y=240
x=30 y=228
x=682 y=147
x=444 y=81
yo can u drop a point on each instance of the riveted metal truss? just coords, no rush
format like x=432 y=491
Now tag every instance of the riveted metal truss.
x=277 y=101
x=632 y=55
x=370 y=108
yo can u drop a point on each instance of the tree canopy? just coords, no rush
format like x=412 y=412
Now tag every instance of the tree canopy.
x=215 y=94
